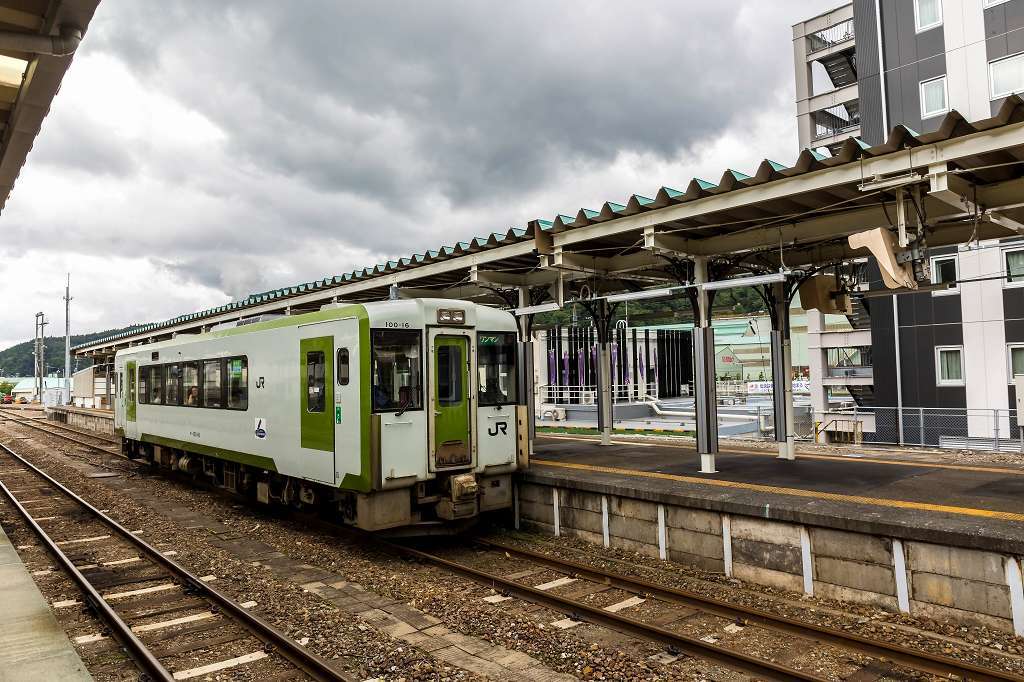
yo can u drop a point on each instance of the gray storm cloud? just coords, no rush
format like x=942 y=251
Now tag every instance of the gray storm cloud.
x=341 y=134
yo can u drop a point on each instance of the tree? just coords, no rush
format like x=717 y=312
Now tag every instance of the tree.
x=6 y=387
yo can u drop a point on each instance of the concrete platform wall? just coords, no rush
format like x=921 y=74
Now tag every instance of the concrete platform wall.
x=84 y=419
x=935 y=581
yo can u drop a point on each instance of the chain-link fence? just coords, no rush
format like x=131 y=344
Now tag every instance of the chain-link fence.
x=944 y=427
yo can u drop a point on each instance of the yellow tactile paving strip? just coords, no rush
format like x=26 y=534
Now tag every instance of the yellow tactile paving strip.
x=1006 y=471
x=796 y=492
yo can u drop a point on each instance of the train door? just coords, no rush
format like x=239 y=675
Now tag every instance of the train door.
x=451 y=441
x=316 y=409
x=131 y=426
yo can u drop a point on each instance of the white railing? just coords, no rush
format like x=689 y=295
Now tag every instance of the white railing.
x=587 y=393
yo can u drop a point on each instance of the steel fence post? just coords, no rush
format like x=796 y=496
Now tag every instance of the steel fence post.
x=899 y=424
x=920 y=424
x=995 y=429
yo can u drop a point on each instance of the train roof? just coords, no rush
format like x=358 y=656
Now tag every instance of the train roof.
x=421 y=309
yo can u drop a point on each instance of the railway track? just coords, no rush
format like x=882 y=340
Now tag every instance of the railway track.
x=159 y=612
x=569 y=587
x=100 y=442
x=675 y=607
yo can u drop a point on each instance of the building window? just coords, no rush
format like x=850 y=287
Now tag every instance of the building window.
x=1006 y=76
x=933 y=97
x=1015 y=357
x=945 y=269
x=949 y=366
x=1014 y=262
x=927 y=14
x=993 y=3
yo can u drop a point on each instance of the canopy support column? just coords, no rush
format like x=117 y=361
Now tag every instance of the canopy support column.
x=527 y=385
x=782 y=373
x=602 y=313
x=704 y=371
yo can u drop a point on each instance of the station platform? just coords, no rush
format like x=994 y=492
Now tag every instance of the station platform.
x=33 y=645
x=936 y=539
x=975 y=505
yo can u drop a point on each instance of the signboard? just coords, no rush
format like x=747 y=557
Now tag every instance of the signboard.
x=765 y=387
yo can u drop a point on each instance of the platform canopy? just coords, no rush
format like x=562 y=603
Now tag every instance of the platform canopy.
x=38 y=39
x=966 y=181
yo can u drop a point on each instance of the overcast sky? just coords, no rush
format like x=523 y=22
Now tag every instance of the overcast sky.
x=200 y=151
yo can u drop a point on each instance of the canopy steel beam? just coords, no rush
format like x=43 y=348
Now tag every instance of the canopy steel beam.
x=917 y=157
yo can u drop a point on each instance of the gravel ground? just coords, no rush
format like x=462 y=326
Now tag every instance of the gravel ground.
x=979 y=645
x=587 y=652
x=332 y=634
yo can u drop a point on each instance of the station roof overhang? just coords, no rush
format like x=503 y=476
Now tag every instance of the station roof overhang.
x=37 y=43
x=967 y=180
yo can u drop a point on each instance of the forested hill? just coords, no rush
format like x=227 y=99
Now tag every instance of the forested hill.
x=16 y=361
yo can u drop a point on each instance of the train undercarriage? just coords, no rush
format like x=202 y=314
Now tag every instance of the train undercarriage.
x=449 y=503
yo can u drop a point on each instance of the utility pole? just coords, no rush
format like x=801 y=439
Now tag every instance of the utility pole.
x=67 y=342
x=40 y=353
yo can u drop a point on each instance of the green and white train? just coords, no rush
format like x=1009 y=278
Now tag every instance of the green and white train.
x=392 y=414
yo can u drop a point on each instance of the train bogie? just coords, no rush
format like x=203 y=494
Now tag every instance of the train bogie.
x=390 y=413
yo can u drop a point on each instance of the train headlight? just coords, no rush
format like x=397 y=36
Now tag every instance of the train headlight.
x=451 y=316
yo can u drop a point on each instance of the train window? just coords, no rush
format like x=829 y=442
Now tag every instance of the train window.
x=120 y=384
x=343 y=368
x=212 y=384
x=151 y=385
x=143 y=394
x=449 y=375
x=496 y=368
x=396 y=370
x=190 y=384
x=315 y=388
x=238 y=383
x=172 y=385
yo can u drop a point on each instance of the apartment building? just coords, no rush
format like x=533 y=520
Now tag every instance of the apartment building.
x=948 y=357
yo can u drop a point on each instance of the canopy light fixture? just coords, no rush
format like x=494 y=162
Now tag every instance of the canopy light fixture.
x=772 y=278
x=542 y=308
x=644 y=294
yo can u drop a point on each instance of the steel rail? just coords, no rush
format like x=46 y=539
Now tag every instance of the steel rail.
x=26 y=421
x=310 y=663
x=139 y=652
x=921 y=661
x=691 y=646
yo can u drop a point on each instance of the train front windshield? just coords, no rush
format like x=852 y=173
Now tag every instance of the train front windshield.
x=397 y=370
x=496 y=367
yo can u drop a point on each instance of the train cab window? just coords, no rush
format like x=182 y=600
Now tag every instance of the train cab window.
x=172 y=385
x=120 y=384
x=315 y=388
x=449 y=375
x=496 y=368
x=238 y=383
x=343 y=368
x=212 y=384
x=396 y=370
x=190 y=385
